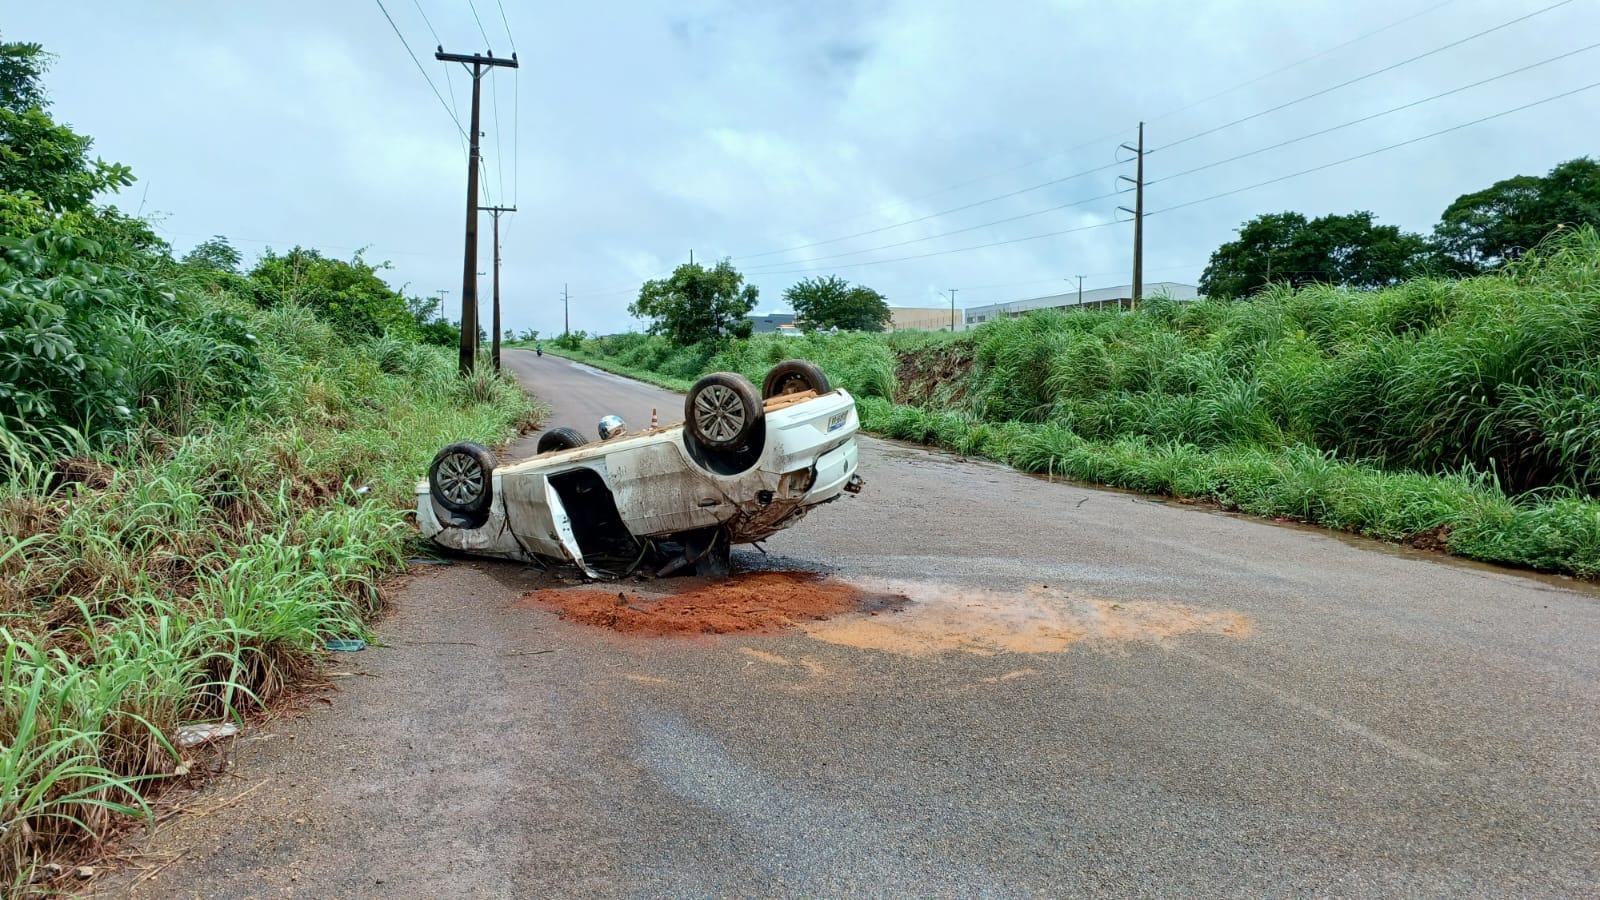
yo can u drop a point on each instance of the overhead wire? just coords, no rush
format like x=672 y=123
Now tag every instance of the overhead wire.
x=1120 y=132
x=1359 y=78
x=1394 y=146
x=1228 y=193
x=424 y=72
x=936 y=215
x=1183 y=140
x=1367 y=118
x=474 y=7
x=930 y=237
x=1234 y=158
x=449 y=85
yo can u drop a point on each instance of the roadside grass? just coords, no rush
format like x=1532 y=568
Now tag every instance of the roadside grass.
x=1457 y=414
x=193 y=577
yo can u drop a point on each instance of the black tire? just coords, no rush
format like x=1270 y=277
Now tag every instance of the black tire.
x=560 y=439
x=461 y=482
x=794 y=376
x=722 y=411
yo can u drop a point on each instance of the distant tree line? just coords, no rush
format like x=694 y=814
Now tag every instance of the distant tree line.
x=697 y=303
x=1477 y=233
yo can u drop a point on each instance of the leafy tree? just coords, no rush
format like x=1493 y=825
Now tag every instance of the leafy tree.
x=440 y=332
x=348 y=294
x=40 y=160
x=697 y=304
x=832 y=302
x=530 y=334
x=1285 y=247
x=89 y=346
x=214 y=254
x=1481 y=230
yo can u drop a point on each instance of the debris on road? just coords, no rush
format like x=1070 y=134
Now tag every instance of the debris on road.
x=193 y=735
x=948 y=618
x=343 y=645
x=759 y=602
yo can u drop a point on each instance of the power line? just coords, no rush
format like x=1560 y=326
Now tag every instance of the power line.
x=449 y=85
x=1122 y=132
x=516 y=133
x=936 y=215
x=1340 y=162
x=507 y=25
x=930 y=237
x=420 y=68
x=1343 y=84
x=1294 y=65
x=1329 y=165
x=1031 y=237
x=1174 y=143
x=1368 y=118
x=488 y=44
x=499 y=159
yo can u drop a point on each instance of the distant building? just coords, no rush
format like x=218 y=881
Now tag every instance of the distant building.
x=1096 y=299
x=770 y=323
x=919 y=318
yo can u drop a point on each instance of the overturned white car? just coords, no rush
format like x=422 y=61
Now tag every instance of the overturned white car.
x=741 y=467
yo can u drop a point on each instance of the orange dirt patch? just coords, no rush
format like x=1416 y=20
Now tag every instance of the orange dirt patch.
x=759 y=603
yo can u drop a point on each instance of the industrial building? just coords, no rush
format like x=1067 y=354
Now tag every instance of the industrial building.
x=1121 y=297
x=771 y=323
x=919 y=318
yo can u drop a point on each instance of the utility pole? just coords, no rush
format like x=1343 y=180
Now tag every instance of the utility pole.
x=1080 y=288
x=494 y=351
x=1138 y=216
x=566 y=315
x=953 y=310
x=478 y=64
x=441 y=292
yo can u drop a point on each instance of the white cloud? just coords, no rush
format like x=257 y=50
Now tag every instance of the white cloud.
x=736 y=126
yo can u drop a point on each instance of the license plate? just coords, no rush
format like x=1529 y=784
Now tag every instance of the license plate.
x=837 y=420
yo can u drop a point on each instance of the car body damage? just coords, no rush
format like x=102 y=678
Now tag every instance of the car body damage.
x=667 y=498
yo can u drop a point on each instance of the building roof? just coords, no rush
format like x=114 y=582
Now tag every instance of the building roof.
x=766 y=323
x=1071 y=299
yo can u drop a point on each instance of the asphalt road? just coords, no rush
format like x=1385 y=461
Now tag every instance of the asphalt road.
x=1198 y=704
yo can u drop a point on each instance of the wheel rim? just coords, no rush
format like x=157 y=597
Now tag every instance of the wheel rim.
x=719 y=413
x=460 y=478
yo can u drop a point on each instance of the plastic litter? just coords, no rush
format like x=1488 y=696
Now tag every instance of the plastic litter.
x=191 y=735
x=426 y=561
x=343 y=645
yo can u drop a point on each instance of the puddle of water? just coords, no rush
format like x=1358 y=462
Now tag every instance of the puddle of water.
x=948 y=619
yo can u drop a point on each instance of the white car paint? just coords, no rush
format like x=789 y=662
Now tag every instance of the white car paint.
x=808 y=457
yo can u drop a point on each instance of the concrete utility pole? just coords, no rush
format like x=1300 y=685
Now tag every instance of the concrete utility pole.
x=478 y=64
x=494 y=351
x=1080 y=288
x=953 y=310
x=566 y=315
x=1138 y=217
x=441 y=292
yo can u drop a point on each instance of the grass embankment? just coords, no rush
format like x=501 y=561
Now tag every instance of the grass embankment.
x=1463 y=415
x=192 y=577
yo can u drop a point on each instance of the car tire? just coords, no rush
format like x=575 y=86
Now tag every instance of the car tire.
x=722 y=411
x=794 y=376
x=461 y=482
x=559 y=439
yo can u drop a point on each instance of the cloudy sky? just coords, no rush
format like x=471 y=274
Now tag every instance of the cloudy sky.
x=636 y=132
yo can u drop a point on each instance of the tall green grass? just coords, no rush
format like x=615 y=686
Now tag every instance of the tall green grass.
x=196 y=573
x=1463 y=412
x=1496 y=373
x=860 y=363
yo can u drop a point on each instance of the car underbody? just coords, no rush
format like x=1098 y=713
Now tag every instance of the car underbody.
x=664 y=501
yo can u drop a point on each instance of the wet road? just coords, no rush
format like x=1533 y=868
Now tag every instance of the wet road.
x=1091 y=693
